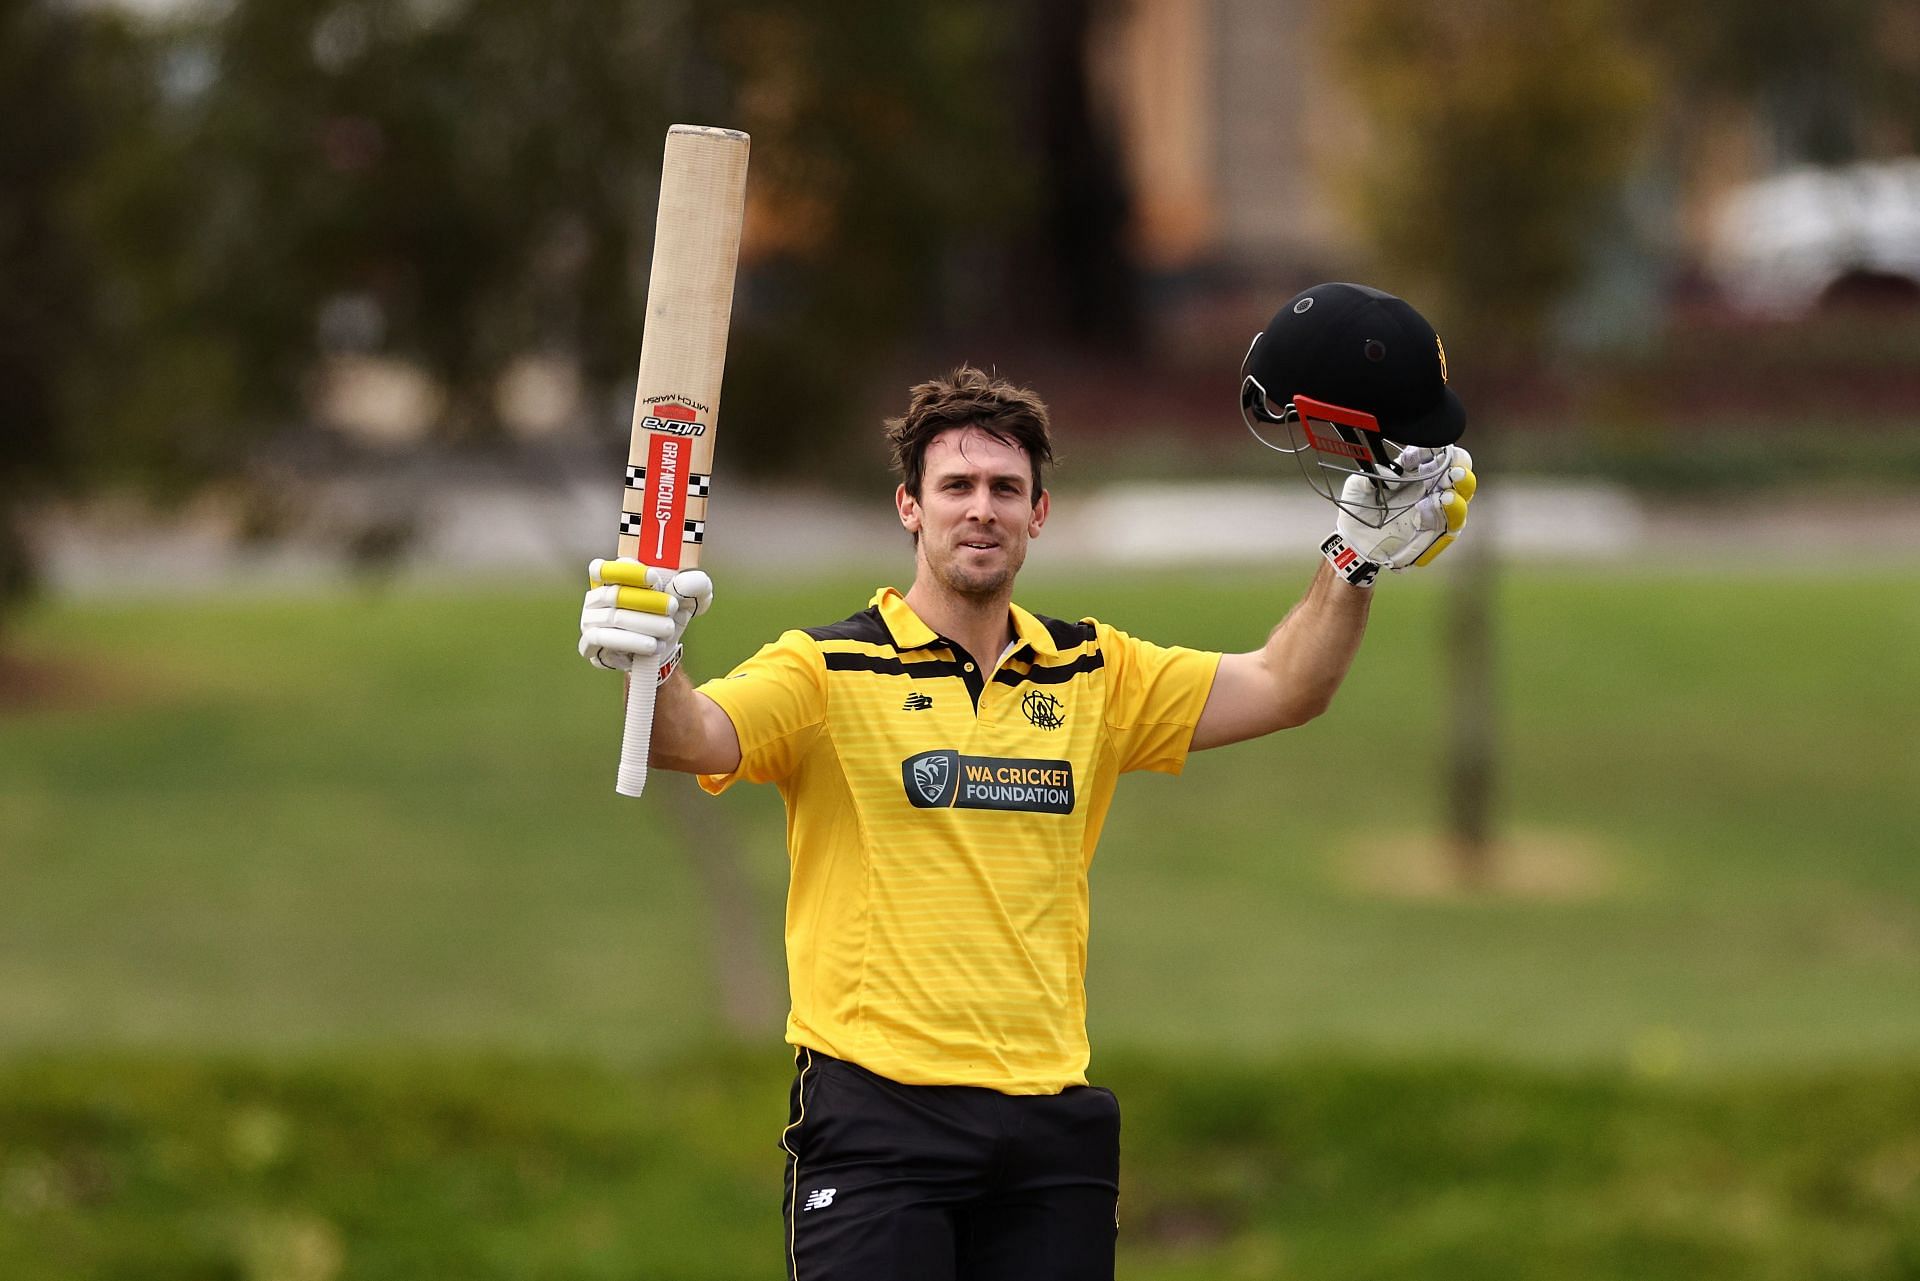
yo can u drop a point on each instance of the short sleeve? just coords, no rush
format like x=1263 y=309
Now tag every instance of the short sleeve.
x=1155 y=695
x=777 y=701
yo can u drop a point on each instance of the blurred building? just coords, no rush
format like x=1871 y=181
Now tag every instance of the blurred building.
x=1222 y=105
x=1224 y=115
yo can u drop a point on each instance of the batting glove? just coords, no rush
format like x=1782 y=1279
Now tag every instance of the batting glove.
x=634 y=611
x=1380 y=528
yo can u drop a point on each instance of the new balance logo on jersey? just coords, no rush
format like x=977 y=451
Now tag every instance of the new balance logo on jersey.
x=917 y=703
x=818 y=1199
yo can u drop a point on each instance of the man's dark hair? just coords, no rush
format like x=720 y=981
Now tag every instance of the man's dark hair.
x=969 y=397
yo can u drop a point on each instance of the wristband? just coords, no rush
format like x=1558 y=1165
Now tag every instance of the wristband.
x=670 y=666
x=1348 y=563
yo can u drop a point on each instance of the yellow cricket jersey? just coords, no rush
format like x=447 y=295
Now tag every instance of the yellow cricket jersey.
x=940 y=822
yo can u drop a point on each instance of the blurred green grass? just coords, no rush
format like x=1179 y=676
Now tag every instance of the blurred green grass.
x=386 y=821
x=164 y=1170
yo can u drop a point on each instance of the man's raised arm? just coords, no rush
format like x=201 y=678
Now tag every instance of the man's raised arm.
x=1292 y=678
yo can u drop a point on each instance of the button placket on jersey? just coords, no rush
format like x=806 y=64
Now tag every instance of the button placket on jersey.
x=967 y=667
x=997 y=690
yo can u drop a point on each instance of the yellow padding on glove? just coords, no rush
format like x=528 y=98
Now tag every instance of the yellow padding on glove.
x=1455 y=506
x=1466 y=485
x=1440 y=544
x=625 y=573
x=644 y=599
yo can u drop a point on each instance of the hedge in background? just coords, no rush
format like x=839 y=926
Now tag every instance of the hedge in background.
x=169 y=1170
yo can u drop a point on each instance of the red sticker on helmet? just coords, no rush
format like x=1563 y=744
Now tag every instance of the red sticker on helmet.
x=1356 y=449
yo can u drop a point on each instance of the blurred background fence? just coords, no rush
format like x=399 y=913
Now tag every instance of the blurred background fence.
x=325 y=950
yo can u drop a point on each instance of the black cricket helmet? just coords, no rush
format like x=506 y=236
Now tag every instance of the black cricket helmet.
x=1349 y=378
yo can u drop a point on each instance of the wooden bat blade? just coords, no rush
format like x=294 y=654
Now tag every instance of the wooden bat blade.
x=683 y=353
x=676 y=407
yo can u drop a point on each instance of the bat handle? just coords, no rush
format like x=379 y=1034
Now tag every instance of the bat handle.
x=638 y=736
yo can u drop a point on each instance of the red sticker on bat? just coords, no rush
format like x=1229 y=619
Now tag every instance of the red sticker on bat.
x=666 y=507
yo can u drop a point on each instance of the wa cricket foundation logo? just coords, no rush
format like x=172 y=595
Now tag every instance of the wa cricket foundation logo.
x=947 y=780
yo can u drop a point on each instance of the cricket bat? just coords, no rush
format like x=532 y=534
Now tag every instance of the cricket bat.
x=683 y=351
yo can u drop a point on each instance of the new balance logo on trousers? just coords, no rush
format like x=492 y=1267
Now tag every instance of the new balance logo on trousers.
x=818 y=1199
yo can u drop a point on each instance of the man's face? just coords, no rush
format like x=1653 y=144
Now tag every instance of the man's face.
x=975 y=512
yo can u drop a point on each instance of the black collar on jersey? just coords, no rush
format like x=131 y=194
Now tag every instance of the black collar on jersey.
x=889 y=621
x=909 y=632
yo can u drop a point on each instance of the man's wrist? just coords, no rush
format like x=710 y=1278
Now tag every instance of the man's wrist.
x=1349 y=563
x=669 y=666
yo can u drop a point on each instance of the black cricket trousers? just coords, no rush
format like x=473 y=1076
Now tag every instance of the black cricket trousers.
x=891 y=1182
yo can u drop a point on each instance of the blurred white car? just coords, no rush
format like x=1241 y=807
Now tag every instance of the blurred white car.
x=1778 y=243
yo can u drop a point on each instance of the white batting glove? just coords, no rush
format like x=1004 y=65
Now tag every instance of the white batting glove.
x=1383 y=526
x=634 y=611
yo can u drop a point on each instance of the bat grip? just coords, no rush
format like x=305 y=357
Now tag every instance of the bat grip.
x=637 y=738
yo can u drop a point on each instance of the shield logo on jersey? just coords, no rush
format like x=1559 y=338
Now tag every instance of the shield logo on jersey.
x=930 y=779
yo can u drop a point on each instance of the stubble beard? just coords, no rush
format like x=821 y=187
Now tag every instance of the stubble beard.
x=983 y=586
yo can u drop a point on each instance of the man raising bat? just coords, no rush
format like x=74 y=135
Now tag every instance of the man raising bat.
x=947 y=759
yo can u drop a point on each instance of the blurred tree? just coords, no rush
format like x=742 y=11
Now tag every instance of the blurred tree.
x=885 y=170
x=1835 y=79
x=459 y=184
x=50 y=127
x=1078 y=258
x=447 y=184
x=1500 y=134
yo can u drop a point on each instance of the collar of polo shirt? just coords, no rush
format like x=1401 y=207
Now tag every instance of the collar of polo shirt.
x=909 y=632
